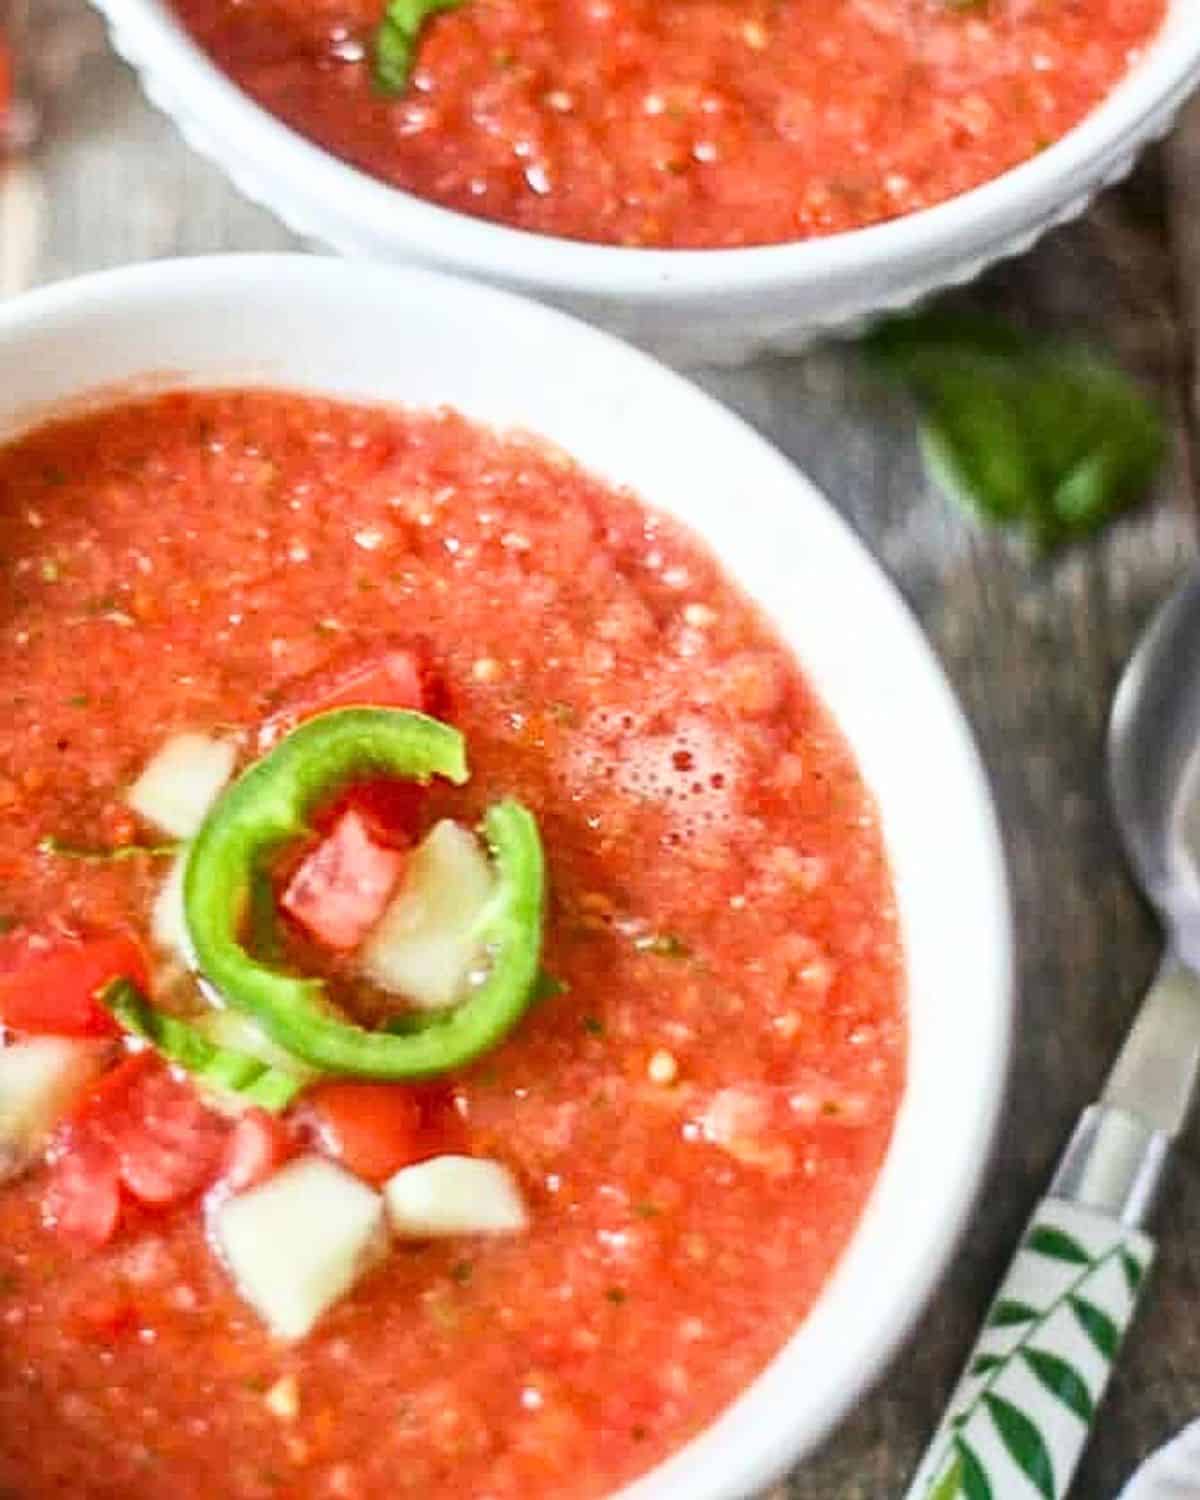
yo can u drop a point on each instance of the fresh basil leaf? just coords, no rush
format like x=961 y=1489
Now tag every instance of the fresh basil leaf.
x=396 y=39
x=1050 y=438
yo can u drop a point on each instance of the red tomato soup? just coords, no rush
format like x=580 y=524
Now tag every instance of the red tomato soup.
x=685 y=122
x=672 y=1145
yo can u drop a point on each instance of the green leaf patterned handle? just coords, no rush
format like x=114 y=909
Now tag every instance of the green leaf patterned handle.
x=1020 y=1416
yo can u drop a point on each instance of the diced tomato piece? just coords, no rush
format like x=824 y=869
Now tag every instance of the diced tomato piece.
x=340 y=889
x=168 y=1143
x=49 y=979
x=140 y=1128
x=83 y=1200
x=388 y=676
x=107 y=1096
x=373 y=1129
x=258 y=1145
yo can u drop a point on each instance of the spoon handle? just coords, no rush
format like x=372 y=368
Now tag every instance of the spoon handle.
x=1023 y=1409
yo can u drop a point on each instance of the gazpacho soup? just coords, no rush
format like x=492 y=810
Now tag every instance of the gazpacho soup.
x=452 y=998
x=679 y=122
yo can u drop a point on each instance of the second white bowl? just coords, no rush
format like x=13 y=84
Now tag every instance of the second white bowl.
x=687 y=305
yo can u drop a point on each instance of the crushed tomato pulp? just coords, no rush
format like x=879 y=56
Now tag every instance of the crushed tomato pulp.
x=686 y=123
x=695 y=1118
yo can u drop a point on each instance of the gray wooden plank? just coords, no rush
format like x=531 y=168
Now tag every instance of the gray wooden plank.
x=1034 y=650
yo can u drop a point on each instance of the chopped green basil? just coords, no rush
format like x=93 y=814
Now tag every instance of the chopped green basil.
x=396 y=40
x=1050 y=438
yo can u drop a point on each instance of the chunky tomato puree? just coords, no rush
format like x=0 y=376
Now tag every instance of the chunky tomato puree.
x=686 y=122
x=695 y=1119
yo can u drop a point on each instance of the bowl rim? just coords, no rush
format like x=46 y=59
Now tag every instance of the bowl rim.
x=710 y=1466
x=151 y=37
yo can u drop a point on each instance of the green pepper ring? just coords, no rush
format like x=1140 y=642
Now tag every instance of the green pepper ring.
x=266 y=807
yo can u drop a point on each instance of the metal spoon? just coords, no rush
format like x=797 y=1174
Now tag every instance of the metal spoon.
x=1020 y=1417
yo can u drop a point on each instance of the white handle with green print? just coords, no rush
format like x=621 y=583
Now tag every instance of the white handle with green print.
x=1020 y=1416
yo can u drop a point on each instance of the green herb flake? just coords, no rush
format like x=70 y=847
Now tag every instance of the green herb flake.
x=50 y=570
x=396 y=40
x=461 y=1272
x=564 y=714
x=1049 y=438
x=548 y=986
x=647 y=1210
x=62 y=849
x=78 y=700
x=593 y=1025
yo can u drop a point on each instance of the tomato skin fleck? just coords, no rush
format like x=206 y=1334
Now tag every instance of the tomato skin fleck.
x=258 y=1146
x=49 y=979
x=168 y=1143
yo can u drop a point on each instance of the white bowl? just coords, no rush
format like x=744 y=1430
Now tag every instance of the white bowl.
x=317 y=324
x=687 y=305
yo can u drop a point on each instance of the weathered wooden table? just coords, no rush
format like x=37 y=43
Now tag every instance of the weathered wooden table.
x=1034 y=650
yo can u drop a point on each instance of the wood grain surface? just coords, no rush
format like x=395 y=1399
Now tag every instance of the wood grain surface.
x=1033 y=649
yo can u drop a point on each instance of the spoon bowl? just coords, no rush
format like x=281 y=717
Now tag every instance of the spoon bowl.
x=1154 y=766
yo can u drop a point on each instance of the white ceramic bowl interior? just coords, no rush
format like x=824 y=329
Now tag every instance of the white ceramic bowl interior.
x=719 y=305
x=316 y=324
